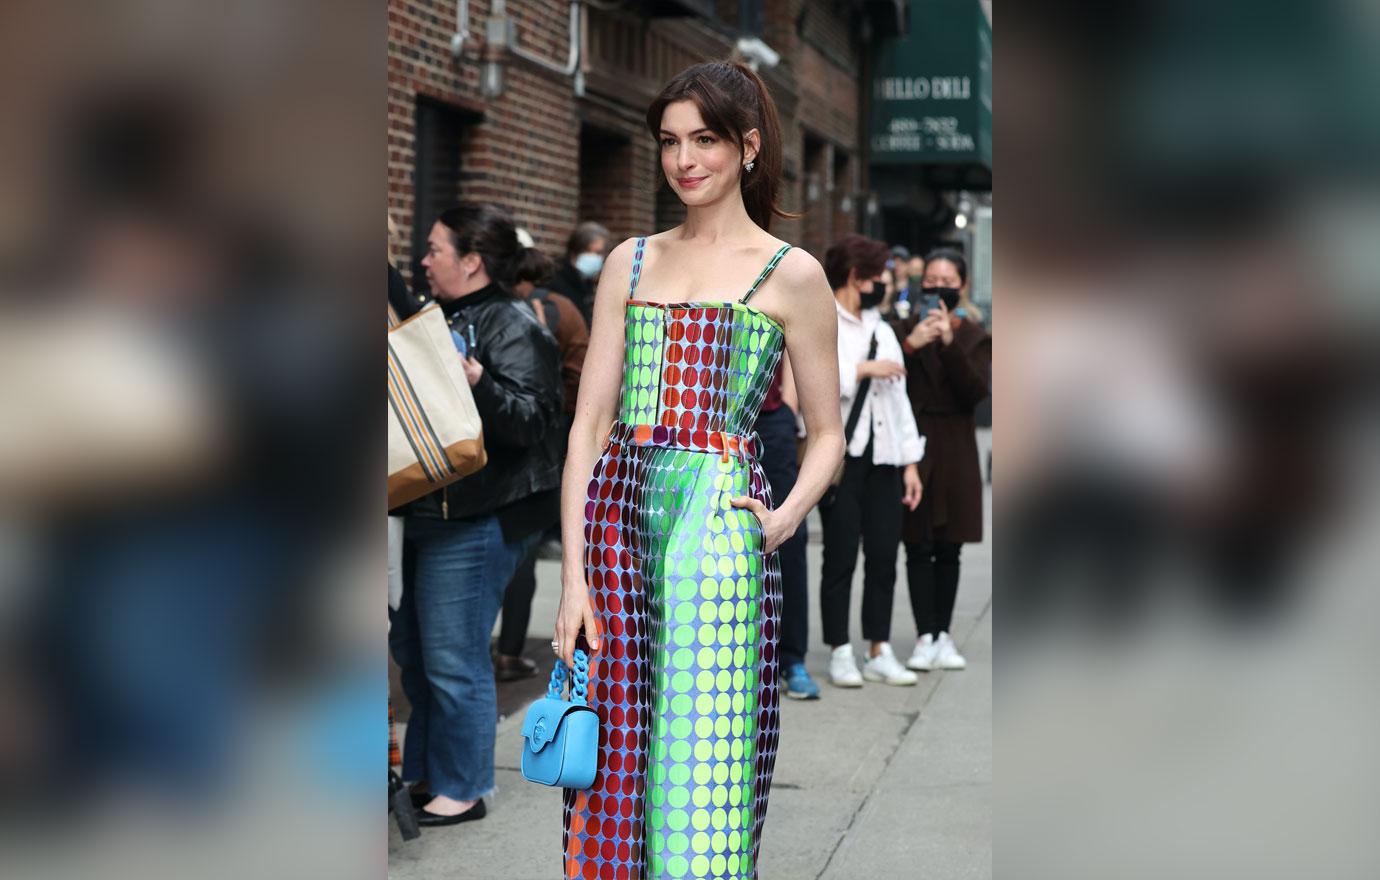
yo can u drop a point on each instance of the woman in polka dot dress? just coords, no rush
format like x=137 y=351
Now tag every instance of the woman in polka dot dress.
x=670 y=576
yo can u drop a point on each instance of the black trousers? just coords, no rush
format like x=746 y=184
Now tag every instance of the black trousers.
x=517 y=606
x=777 y=430
x=867 y=505
x=932 y=570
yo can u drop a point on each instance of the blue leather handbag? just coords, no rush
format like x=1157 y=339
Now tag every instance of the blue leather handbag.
x=562 y=736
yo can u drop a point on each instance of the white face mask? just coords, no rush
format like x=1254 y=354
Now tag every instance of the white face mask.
x=588 y=264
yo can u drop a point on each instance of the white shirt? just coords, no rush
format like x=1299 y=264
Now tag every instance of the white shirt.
x=886 y=414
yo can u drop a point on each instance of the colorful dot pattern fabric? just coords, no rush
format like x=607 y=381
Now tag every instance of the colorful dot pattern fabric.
x=686 y=682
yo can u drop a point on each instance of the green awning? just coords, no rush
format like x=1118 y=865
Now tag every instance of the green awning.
x=932 y=90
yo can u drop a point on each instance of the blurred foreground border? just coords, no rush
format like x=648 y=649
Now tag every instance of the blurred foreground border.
x=194 y=675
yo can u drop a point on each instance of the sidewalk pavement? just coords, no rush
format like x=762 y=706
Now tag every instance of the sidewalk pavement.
x=879 y=782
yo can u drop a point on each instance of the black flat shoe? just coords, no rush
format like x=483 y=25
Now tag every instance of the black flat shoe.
x=421 y=798
x=431 y=820
x=513 y=668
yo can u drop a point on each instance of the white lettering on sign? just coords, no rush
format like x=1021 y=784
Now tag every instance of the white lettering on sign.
x=926 y=134
x=923 y=88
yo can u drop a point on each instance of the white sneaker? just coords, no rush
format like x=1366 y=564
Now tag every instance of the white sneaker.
x=922 y=658
x=884 y=667
x=946 y=654
x=843 y=669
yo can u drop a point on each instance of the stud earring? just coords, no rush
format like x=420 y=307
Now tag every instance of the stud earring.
x=748 y=166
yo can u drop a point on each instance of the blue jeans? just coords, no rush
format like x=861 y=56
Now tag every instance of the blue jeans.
x=440 y=639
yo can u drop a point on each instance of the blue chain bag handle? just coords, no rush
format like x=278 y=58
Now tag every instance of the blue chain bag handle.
x=562 y=736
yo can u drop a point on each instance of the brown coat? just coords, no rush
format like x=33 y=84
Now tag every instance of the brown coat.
x=572 y=336
x=945 y=384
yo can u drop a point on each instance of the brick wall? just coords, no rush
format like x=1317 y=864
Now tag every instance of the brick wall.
x=820 y=56
x=554 y=159
x=523 y=151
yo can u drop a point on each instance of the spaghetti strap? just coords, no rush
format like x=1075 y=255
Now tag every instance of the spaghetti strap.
x=765 y=272
x=638 y=251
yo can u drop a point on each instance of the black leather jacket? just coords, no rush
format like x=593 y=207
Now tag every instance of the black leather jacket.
x=519 y=403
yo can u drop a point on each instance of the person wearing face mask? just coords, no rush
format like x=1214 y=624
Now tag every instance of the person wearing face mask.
x=880 y=474
x=584 y=260
x=948 y=373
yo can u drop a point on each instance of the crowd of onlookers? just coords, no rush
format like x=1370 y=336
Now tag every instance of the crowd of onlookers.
x=914 y=363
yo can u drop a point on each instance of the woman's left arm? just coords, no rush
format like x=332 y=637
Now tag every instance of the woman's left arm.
x=805 y=304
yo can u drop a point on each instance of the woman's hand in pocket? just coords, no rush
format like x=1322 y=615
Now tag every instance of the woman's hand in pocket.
x=774 y=529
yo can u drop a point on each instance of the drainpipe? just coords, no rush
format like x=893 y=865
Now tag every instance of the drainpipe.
x=501 y=34
x=462 y=29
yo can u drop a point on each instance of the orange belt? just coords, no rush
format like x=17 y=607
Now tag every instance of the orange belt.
x=740 y=446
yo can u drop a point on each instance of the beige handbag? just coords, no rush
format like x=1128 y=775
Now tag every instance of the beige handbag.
x=434 y=433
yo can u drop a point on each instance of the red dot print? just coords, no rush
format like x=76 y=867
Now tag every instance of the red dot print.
x=708 y=335
x=692 y=333
x=687 y=420
x=672 y=375
x=692 y=355
x=670 y=398
x=675 y=353
x=691 y=377
x=675 y=331
x=688 y=399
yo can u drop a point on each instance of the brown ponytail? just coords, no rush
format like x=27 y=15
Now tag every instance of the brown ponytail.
x=733 y=100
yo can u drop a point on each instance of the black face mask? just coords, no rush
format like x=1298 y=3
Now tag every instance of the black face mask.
x=872 y=299
x=947 y=295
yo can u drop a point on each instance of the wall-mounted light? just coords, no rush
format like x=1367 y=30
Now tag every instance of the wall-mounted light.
x=963 y=212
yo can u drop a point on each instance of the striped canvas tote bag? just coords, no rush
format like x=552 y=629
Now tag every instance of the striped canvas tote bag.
x=434 y=433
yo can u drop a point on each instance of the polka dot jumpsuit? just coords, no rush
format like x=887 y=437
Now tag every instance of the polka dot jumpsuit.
x=685 y=683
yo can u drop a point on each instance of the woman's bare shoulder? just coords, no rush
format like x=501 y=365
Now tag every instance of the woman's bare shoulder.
x=798 y=268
